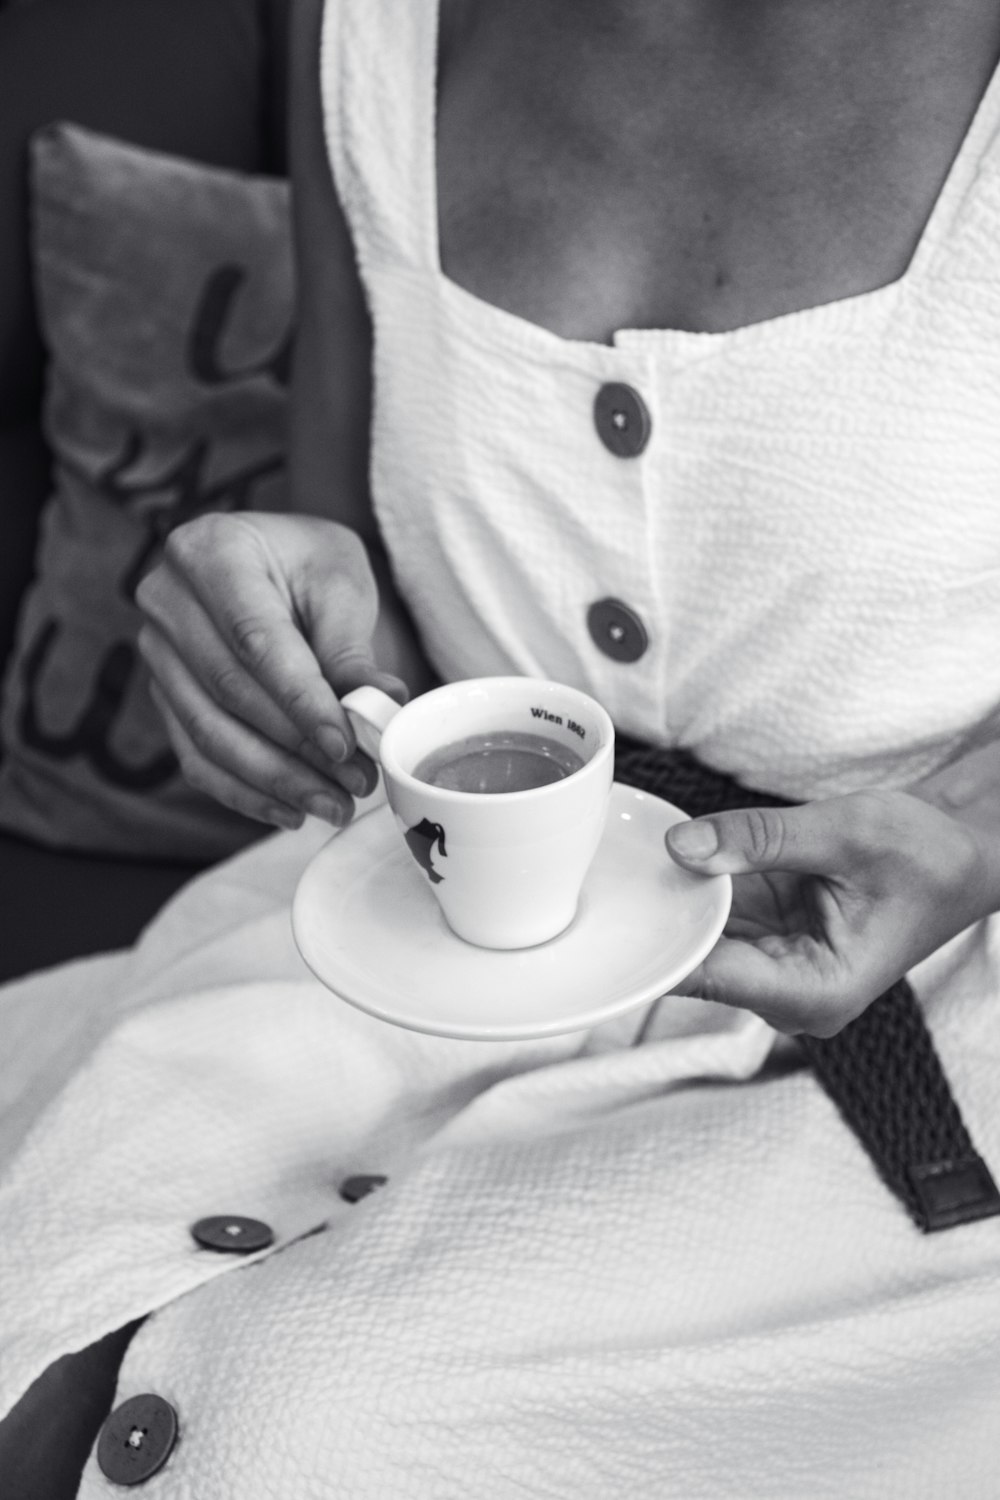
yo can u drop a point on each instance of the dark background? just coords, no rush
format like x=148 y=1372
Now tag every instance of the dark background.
x=203 y=79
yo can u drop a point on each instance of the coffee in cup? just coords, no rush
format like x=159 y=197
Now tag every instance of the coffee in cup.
x=499 y=762
x=500 y=789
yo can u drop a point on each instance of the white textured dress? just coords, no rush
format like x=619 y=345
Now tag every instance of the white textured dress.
x=597 y=1269
x=812 y=534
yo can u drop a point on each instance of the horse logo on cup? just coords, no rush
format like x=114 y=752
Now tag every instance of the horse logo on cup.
x=421 y=841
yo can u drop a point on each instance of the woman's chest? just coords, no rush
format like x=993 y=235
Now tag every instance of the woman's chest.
x=690 y=166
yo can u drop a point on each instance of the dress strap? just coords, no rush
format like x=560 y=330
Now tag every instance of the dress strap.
x=378 y=79
x=980 y=145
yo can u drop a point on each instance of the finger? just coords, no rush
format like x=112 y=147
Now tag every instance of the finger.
x=335 y=598
x=351 y=670
x=359 y=775
x=828 y=838
x=358 y=669
x=333 y=593
x=793 y=984
x=188 y=635
x=218 y=784
x=189 y=647
x=253 y=617
x=212 y=740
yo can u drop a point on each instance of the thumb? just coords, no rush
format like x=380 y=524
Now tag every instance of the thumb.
x=815 y=838
x=354 y=668
x=357 y=668
x=335 y=597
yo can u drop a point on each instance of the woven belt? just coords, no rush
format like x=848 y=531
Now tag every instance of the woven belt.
x=882 y=1071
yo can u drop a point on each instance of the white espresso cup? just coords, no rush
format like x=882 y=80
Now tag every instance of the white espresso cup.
x=506 y=867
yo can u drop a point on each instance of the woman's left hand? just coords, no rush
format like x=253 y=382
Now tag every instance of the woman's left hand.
x=833 y=901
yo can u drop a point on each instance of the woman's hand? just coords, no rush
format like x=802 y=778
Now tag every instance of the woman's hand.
x=832 y=901
x=255 y=625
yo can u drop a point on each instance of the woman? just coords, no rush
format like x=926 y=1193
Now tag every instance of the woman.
x=683 y=347
x=583 y=185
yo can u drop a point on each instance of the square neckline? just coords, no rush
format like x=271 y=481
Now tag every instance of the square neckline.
x=959 y=177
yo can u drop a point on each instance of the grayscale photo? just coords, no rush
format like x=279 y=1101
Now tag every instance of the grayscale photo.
x=500 y=749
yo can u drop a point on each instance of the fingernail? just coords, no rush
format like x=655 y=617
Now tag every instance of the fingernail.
x=697 y=840
x=355 y=780
x=327 y=808
x=394 y=686
x=285 y=817
x=332 y=742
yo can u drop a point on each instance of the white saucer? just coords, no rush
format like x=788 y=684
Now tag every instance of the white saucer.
x=368 y=926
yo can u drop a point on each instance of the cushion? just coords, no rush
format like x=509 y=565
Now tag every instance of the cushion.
x=24 y=482
x=166 y=296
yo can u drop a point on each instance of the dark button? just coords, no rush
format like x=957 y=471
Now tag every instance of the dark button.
x=622 y=420
x=232 y=1235
x=353 y=1189
x=617 y=630
x=137 y=1440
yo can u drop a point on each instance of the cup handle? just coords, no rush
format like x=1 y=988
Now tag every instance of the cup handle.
x=369 y=710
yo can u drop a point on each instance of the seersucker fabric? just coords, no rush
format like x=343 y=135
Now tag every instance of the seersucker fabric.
x=642 y=1262
x=636 y=1262
x=812 y=533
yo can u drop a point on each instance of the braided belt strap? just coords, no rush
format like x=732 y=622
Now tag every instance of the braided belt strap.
x=882 y=1071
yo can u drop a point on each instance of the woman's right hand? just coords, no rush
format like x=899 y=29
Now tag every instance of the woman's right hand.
x=255 y=626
